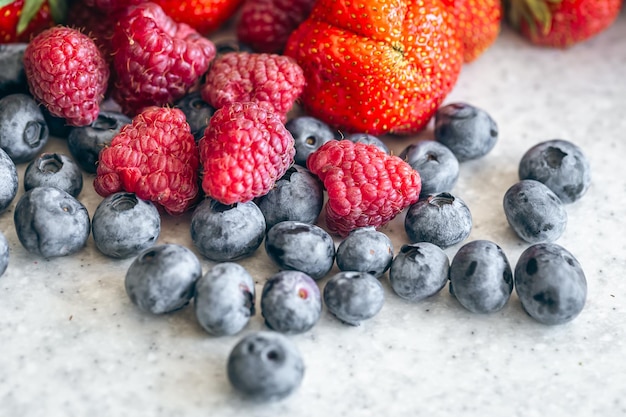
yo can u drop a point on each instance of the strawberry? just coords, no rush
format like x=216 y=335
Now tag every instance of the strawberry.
x=376 y=66
x=561 y=23
x=22 y=19
x=205 y=16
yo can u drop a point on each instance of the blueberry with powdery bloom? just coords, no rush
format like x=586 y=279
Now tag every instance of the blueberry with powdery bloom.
x=309 y=134
x=4 y=253
x=23 y=129
x=197 y=111
x=54 y=170
x=12 y=76
x=436 y=164
x=353 y=296
x=8 y=180
x=368 y=139
x=365 y=250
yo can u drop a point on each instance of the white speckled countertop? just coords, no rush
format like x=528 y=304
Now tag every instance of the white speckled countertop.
x=72 y=344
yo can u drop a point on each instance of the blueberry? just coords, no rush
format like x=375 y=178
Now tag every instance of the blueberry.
x=54 y=170
x=298 y=195
x=560 y=165
x=481 y=277
x=420 y=270
x=534 y=212
x=230 y=44
x=162 y=278
x=365 y=250
x=550 y=283
x=291 y=302
x=12 y=76
x=8 y=180
x=227 y=232
x=23 y=129
x=86 y=142
x=4 y=253
x=50 y=222
x=57 y=126
x=469 y=132
x=197 y=111
x=441 y=219
x=302 y=247
x=368 y=139
x=124 y=225
x=224 y=299
x=309 y=135
x=436 y=164
x=265 y=366
x=353 y=296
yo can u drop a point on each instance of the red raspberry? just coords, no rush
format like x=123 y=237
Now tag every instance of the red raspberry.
x=365 y=186
x=155 y=157
x=67 y=73
x=92 y=21
x=109 y=6
x=156 y=60
x=265 y=25
x=245 y=150
x=271 y=80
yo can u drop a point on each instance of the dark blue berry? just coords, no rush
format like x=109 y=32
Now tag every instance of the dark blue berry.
x=560 y=165
x=124 y=225
x=291 y=302
x=365 y=250
x=224 y=299
x=436 y=164
x=50 y=222
x=54 y=170
x=534 y=212
x=230 y=44
x=23 y=129
x=302 y=247
x=368 y=139
x=353 y=296
x=8 y=180
x=12 y=75
x=162 y=278
x=481 y=277
x=550 y=283
x=57 y=126
x=227 y=232
x=419 y=270
x=265 y=366
x=441 y=219
x=4 y=253
x=469 y=132
x=197 y=111
x=309 y=135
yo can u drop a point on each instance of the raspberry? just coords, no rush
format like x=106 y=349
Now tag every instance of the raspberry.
x=155 y=157
x=97 y=25
x=273 y=81
x=155 y=60
x=109 y=6
x=365 y=186
x=245 y=150
x=67 y=73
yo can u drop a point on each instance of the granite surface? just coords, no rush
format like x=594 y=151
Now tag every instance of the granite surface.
x=72 y=344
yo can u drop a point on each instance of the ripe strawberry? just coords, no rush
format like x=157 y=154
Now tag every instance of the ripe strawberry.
x=22 y=19
x=561 y=23
x=155 y=157
x=376 y=66
x=365 y=185
x=245 y=150
x=205 y=16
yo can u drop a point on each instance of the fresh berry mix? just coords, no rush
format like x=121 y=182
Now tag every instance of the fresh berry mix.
x=265 y=366
x=365 y=186
x=272 y=81
x=550 y=283
x=419 y=270
x=23 y=129
x=86 y=142
x=560 y=165
x=365 y=250
x=309 y=134
x=49 y=222
x=4 y=253
x=146 y=44
x=8 y=181
x=155 y=157
x=162 y=278
x=197 y=112
x=245 y=149
x=436 y=164
x=13 y=77
x=469 y=132
x=534 y=212
x=291 y=302
x=442 y=219
x=54 y=170
x=298 y=195
x=224 y=299
x=124 y=225
x=227 y=232
x=368 y=140
x=301 y=247
x=54 y=60
x=480 y=277
x=353 y=296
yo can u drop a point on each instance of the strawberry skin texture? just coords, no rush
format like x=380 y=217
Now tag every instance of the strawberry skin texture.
x=10 y=15
x=205 y=16
x=377 y=66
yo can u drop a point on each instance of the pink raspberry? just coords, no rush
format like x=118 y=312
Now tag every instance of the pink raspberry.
x=245 y=150
x=67 y=73
x=365 y=186
x=155 y=157
x=271 y=80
